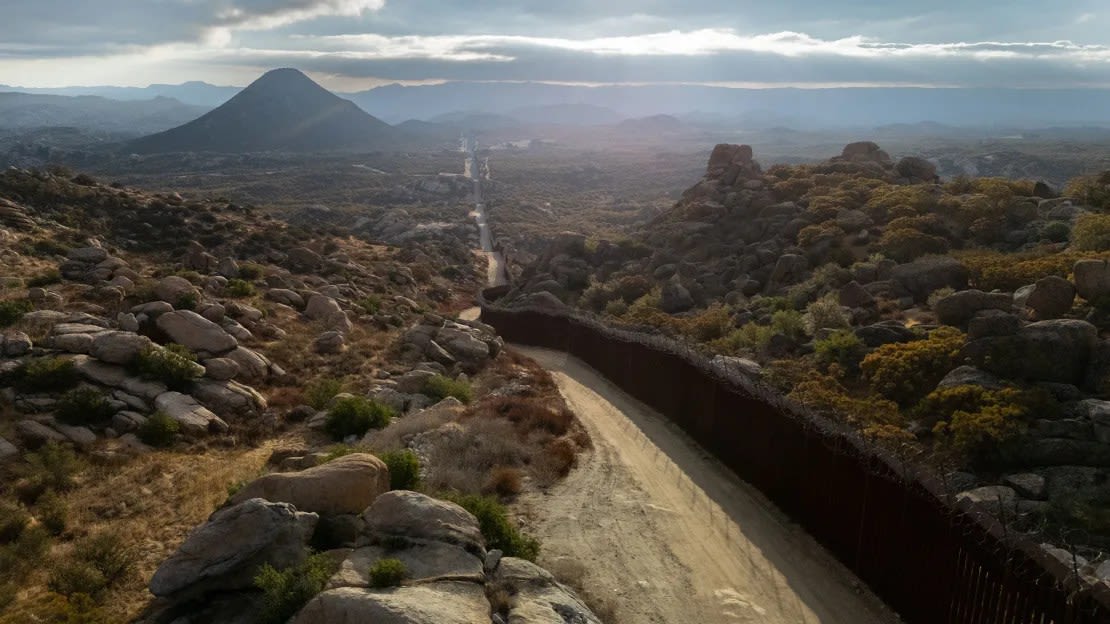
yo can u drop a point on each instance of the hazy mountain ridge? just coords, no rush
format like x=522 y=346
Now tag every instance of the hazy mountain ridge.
x=24 y=111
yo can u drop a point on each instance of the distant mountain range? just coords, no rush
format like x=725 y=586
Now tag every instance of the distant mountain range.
x=194 y=93
x=25 y=111
x=284 y=110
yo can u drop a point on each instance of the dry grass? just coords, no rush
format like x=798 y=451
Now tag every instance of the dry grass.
x=397 y=434
x=505 y=482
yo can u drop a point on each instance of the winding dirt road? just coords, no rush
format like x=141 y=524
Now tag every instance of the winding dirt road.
x=664 y=533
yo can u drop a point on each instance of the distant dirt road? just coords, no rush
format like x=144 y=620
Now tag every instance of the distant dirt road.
x=664 y=533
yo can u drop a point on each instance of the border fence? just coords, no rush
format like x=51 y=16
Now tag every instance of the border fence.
x=893 y=522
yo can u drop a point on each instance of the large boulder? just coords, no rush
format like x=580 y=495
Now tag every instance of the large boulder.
x=916 y=169
x=675 y=298
x=535 y=595
x=173 y=289
x=789 y=269
x=118 y=347
x=226 y=552
x=347 y=485
x=1092 y=279
x=865 y=151
x=199 y=334
x=228 y=398
x=412 y=515
x=193 y=417
x=1051 y=297
x=423 y=560
x=958 y=308
x=445 y=602
x=1055 y=351
x=924 y=276
x=321 y=307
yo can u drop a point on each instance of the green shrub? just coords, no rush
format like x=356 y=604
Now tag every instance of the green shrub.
x=96 y=563
x=499 y=531
x=371 y=304
x=974 y=420
x=286 y=591
x=187 y=301
x=53 y=374
x=250 y=271
x=239 y=288
x=1056 y=232
x=616 y=307
x=404 y=469
x=709 y=325
x=387 y=573
x=439 y=387
x=159 y=430
x=749 y=337
x=52 y=512
x=83 y=406
x=906 y=372
x=905 y=245
x=789 y=323
x=319 y=392
x=45 y=279
x=24 y=554
x=53 y=467
x=825 y=313
x=939 y=294
x=173 y=365
x=355 y=416
x=13 y=519
x=1092 y=232
x=843 y=348
x=13 y=310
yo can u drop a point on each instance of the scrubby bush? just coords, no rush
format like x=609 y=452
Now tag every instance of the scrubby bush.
x=13 y=519
x=1093 y=190
x=906 y=372
x=973 y=420
x=83 y=406
x=355 y=416
x=998 y=271
x=250 y=271
x=320 y=391
x=499 y=531
x=52 y=511
x=96 y=563
x=159 y=430
x=842 y=348
x=52 y=374
x=616 y=308
x=52 y=467
x=387 y=573
x=13 y=310
x=1092 y=232
x=827 y=396
x=371 y=304
x=939 y=294
x=404 y=469
x=504 y=482
x=1056 y=232
x=174 y=365
x=45 y=278
x=239 y=288
x=286 y=591
x=440 y=387
x=905 y=245
x=789 y=323
x=750 y=337
x=825 y=313
x=25 y=553
x=708 y=325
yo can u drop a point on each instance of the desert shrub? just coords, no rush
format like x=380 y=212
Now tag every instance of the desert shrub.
x=404 y=469
x=504 y=482
x=1093 y=190
x=239 y=288
x=250 y=271
x=45 y=278
x=998 y=271
x=596 y=297
x=25 y=553
x=751 y=337
x=825 y=313
x=387 y=573
x=616 y=308
x=320 y=391
x=96 y=563
x=939 y=294
x=789 y=323
x=906 y=372
x=53 y=374
x=631 y=287
x=974 y=419
x=52 y=467
x=440 y=387
x=499 y=531
x=173 y=365
x=972 y=433
x=1083 y=509
x=709 y=325
x=286 y=591
x=355 y=416
x=159 y=430
x=843 y=348
x=825 y=395
x=52 y=511
x=12 y=310
x=83 y=406
x=187 y=301
x=13 y=519
x=1092 y=232
x=1056 y=232
x=647 y=311
x=371 y=304
x=892 y=199
x=905 y=245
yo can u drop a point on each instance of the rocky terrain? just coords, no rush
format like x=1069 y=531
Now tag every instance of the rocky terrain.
x=961 y=323
x=159 y=354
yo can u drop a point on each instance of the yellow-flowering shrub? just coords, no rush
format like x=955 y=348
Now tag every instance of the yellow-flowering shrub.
x=906 y=372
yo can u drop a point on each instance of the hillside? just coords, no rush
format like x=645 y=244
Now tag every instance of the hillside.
x=284 y=110
x=90 y=113
x=963 y=323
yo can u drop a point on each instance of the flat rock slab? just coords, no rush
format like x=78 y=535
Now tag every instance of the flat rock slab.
x=195 y=419
x=401 y=513
x=433 y=603
x=347 y=485
x=423 y=561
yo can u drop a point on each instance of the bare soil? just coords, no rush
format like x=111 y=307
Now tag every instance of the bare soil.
x=662 y=532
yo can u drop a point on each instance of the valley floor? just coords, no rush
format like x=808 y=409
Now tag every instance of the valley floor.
x=658 y=531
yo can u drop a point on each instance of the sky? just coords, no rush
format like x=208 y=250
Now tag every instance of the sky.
x=350 y=45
